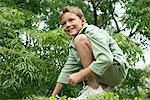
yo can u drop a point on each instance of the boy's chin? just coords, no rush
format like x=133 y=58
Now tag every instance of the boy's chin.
x=73 y=34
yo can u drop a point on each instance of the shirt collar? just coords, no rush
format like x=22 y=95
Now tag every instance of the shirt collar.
x=84 y=26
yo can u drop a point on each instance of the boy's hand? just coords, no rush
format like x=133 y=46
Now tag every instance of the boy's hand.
x=77 y=77
x=74 y=78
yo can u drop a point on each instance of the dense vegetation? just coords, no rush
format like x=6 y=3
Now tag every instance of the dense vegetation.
x=32 y=55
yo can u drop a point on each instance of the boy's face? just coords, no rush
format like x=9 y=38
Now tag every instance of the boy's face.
x=71 y=23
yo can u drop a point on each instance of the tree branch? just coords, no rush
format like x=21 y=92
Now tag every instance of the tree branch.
x=95 y=12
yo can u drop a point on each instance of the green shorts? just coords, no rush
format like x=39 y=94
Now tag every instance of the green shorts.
x=113 y=76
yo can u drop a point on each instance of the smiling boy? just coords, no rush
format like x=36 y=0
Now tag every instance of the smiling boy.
x=94 y=51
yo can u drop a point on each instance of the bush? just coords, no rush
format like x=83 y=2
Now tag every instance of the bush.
x=32 y=70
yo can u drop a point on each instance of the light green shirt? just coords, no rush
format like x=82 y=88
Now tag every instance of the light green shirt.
x=104 y=48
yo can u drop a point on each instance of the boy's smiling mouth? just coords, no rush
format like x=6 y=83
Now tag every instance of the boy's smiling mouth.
x=70 y=29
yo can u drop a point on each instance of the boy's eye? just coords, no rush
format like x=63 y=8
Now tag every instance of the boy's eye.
x=71 y=19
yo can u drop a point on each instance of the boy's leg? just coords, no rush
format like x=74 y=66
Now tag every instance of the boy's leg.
x=113 y=76
x=84 y=49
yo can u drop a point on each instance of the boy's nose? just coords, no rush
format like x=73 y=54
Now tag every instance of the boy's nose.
x=68 y=24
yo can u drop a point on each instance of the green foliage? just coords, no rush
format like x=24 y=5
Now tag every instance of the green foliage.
x=10 y=21
x=138 y=17
x=105 y=96
x=24 y=71
x=132 y=51
x=53 y=46
x=134 y=85
x=21 y=73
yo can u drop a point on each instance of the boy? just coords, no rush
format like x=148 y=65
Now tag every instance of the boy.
x=94 y=51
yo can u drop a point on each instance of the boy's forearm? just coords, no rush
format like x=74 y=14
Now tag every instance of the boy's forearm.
x=57 y=89
x=86 y=72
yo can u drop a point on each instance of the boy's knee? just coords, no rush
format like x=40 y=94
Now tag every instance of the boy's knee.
x=80 y=39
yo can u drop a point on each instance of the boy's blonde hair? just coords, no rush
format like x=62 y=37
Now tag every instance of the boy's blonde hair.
x=73 y=9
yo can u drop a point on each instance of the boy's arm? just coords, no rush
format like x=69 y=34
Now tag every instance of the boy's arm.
x=72 y=65
x=57 y=89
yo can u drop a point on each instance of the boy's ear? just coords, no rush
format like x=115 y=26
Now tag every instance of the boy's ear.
x=83 y=19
